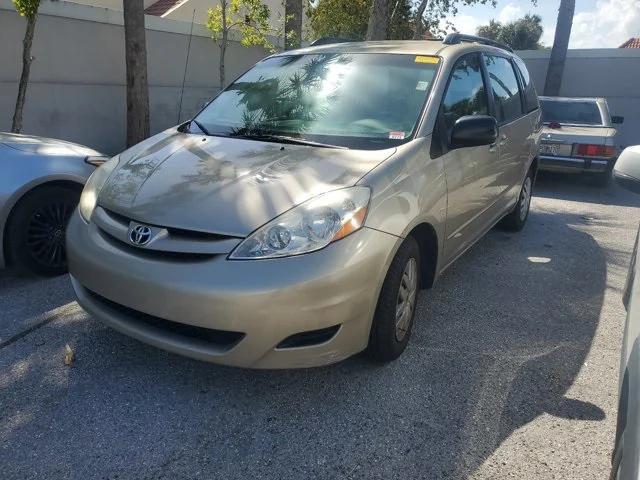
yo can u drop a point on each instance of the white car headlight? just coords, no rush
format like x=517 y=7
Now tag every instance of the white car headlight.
x=308 y=227
x=93 y=186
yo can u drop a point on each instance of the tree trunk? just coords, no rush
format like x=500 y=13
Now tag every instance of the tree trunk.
x=136 y=61
x=559 y=50
x=417 y=35
x=378 y=20
x=16 y=125
x=223 y=42
x=293 y=24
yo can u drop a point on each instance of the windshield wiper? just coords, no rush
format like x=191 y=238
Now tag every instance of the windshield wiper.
x=201 y=127
x=284 y=139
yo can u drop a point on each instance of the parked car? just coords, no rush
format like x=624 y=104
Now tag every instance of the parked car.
x=626 y=452
x=40 y=184
x=293 y=220
x=578 y=136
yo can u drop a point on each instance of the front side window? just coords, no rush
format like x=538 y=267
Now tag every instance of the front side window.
x=369 y=101
x=571 y=112
x=504 y=84
x=466 y=94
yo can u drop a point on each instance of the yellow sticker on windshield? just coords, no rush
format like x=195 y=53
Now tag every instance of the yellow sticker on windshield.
x=425 y=59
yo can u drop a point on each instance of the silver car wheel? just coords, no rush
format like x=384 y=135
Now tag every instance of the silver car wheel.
x=525 y=198
x=406 y=302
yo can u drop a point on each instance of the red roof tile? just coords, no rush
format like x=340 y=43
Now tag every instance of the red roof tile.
x=162 y=7
x=633 y=42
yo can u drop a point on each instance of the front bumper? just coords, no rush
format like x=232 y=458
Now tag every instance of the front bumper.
x=574 y=164
x=266 y=300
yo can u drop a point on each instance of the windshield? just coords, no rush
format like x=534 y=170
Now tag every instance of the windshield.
x=369 y=101
x=572 y=113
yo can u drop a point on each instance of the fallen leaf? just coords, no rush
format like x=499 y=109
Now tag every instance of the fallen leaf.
x=69 y=355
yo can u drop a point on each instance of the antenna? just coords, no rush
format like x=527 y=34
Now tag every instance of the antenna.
x=186 y=64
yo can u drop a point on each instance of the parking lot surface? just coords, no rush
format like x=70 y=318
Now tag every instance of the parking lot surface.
x=511 y=372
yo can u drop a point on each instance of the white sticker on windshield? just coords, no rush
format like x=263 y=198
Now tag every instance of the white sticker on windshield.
x=396 y=135
x=422 y=86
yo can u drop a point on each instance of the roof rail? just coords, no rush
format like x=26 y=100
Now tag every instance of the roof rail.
x=455 y=38
x=329 y=40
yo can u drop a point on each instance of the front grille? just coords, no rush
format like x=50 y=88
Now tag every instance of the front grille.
x=155 y=254
x=219 y=338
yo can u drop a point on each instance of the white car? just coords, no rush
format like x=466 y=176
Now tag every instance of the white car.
x=40 y=184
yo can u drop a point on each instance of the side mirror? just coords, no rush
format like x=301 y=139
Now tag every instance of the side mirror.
x=474 y=131
x=627 y=169
x=617 y=120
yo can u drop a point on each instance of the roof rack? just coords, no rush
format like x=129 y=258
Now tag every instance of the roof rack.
x=455 y=38
x=329 y=40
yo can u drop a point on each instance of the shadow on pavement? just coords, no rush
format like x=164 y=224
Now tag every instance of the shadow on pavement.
x=497 y=343
x=580 y=188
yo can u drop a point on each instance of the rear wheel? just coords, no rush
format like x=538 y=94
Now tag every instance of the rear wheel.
x=396 y=307
x=518 y=217
x=36 y=231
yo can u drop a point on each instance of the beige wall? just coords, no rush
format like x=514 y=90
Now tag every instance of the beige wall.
x=184 y=12
x=612 y=73
x=77 y=87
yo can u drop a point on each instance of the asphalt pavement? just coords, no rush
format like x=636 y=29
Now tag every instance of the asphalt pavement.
x=511 y=372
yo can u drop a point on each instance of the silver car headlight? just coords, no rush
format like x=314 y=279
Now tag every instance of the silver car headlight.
x=93 y=186
x=308 y=227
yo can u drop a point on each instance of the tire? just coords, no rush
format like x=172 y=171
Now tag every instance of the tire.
x=389 y=334
x=514 y=222
x=35 y=240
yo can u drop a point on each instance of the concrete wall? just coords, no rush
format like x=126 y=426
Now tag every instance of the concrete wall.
x=77 y=87
x=611 y=73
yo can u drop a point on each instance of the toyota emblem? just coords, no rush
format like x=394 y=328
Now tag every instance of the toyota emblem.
x=139 y=235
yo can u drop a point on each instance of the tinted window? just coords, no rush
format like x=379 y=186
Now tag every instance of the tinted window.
x=466 y=94
x=530 y=95
x=356 y=100
x=506 y=93
x=576 y=113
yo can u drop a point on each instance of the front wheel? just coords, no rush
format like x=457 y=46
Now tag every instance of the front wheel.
x=396 y=307
x=518 y=217
x=36 y=231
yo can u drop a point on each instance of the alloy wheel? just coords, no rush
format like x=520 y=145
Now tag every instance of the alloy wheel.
x=46 y=233
x=406 y=300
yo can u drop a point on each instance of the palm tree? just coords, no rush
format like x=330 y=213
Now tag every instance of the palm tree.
x=378 y=20
x=559 y=50
x=293 y=12
x=136 y=62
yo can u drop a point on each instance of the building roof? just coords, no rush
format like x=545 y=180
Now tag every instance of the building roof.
x=162 y=7
x=633 y=42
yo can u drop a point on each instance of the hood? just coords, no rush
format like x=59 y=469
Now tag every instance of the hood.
x=45 y=146
x=578 y=134
x=223 y=185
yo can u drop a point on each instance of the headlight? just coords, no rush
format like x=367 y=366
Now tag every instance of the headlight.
x=308 y=227
x=93 y=186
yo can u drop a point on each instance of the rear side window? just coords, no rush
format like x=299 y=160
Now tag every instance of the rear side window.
x=572 y=112
x=466 y=94
x=530 y=95
x=506 y=92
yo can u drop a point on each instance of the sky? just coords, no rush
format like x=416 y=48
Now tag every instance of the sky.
x=596 y=23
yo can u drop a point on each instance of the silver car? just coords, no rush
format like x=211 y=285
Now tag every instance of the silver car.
x=626 y=452
x=578 y=136
x=293 y=220
x=40 y=184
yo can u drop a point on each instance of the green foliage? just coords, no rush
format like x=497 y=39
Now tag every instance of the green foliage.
x=250 y=18
x=349 y=19
x=340 y=18
x=27 y=8
x=521 y=34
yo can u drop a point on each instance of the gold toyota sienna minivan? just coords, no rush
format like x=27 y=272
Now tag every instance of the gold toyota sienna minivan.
x=293 y=220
